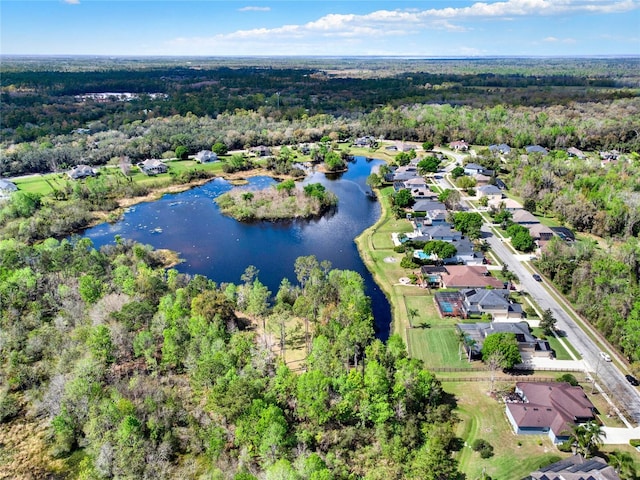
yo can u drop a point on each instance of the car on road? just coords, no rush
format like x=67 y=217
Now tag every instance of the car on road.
x=605 y=356
x=537 y=277
x=632 y=380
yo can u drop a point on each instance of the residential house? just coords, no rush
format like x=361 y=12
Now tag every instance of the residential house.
x=524 y=217
x=527 y=343
x=7 y=188
x=205 y=156
x=466 y=253
x=428 y=205
x=540 y=232
x=576 y=467
x=496 y=302
x=481 y=179
x=261 y=151
x=574 y=152
x=153 y=167
x=492 y=192
x=423 y=194
x=503 y=148
x=463 y=276
x=460 y=145
x=474 y=168
x=415 y=182
x=441 y=231
x=505 y=203
x=550 y=408
x=536 y=149
x=501 y=185
x=366 y=141
x=404 y=147
x=81 y=171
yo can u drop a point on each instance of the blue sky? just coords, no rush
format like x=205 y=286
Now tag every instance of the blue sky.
x=304 y=27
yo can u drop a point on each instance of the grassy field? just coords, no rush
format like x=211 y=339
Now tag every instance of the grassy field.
x=515 y=456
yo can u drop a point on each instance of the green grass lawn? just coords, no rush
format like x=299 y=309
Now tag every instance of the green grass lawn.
x=41 y=184
x=438 y=347
x=515 y=456
x=561 y=353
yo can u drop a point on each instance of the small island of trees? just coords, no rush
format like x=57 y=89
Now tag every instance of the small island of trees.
x=282 y=202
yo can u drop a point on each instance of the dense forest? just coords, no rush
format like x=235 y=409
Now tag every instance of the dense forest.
x=52 y=116
x=142 y=372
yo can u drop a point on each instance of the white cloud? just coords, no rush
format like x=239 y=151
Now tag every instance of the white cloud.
x=559 y=40
x=254 y=9
x=378 y=24
x=72 y=2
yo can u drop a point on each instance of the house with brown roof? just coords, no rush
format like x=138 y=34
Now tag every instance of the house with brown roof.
x=461 y=276
x=574 y=152
x=524 y=217
x=539 y=231
x=550 y=408
x=459 y=145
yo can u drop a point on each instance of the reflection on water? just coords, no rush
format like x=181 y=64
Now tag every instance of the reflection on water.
x=221 y=248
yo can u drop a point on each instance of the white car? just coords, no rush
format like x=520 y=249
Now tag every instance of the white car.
x=605 y=356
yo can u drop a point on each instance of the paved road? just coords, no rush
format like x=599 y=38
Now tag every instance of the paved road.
x=608 y=376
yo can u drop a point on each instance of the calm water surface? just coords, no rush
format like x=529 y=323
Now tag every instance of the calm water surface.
x=221 y=248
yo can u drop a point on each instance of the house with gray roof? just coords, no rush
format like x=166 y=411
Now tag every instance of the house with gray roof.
x=490 y=191
x=465 y=253
x=502 y=148
x=496 y=302
x=153 y=167
x=527 y=343
x=536 y=149
x=442 y=231
x=427 y=205
x=7 y=188
x=576 y=468
x=81 y=171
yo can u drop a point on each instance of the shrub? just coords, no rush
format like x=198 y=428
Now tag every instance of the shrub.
x=399 y=249
x=565 y=446
x=9 y=406
x=569 y=378
x=482 y=446
x=407 y=262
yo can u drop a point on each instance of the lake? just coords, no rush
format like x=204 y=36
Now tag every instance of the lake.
x=221 y=248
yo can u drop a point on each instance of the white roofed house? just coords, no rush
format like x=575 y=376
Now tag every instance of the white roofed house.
x=205 y=156
x=7 y=188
